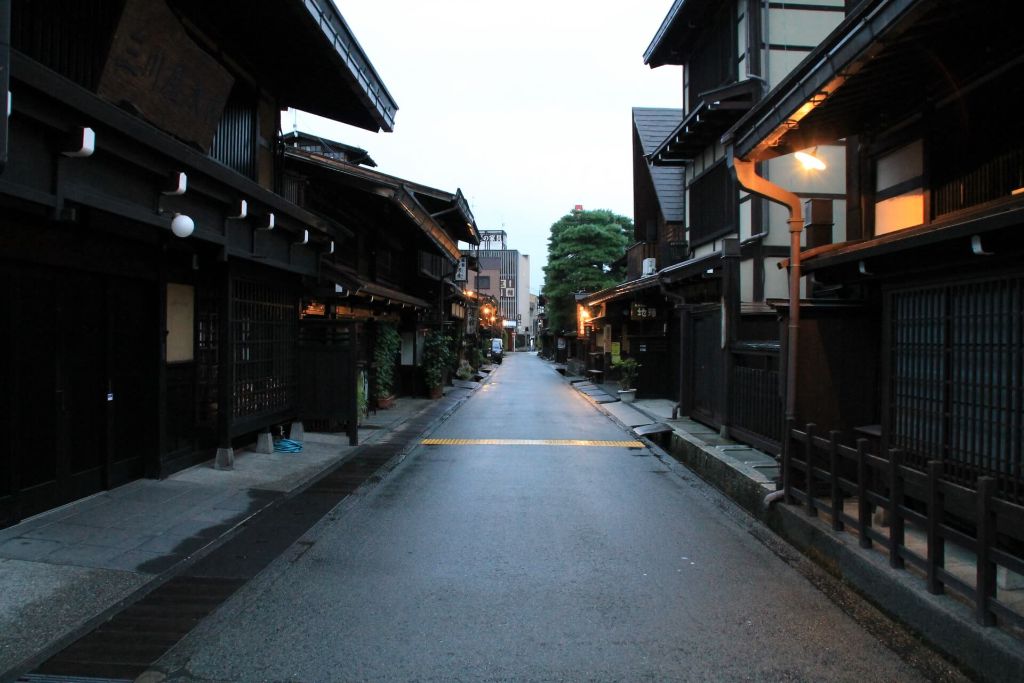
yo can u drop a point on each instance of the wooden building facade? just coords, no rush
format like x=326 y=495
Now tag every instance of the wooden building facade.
x=152 y=268
x=908 y=385
x=727 y=243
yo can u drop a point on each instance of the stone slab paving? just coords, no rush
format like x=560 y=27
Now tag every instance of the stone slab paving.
x=65 y=566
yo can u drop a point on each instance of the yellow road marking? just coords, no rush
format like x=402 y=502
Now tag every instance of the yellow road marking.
x=532 y=442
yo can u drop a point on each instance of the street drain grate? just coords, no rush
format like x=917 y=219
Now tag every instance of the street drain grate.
x=45 y=678
x=126 y=645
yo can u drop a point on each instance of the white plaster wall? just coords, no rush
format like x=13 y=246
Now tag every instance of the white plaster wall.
x=776 y=280
x=747 y=280
x=806 y=27
x=780 y=63
x=745 y=217
x=778 y=216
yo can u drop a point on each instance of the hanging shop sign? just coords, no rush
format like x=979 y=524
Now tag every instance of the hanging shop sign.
x=311 y=308
x=343 y=312
x=462 y=271
x=155 y=66
x=640 y=311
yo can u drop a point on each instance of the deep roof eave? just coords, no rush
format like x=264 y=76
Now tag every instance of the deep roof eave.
x=360 y=71
x=848 y=43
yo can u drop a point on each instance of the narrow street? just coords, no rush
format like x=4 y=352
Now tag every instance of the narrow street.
x=476 y=561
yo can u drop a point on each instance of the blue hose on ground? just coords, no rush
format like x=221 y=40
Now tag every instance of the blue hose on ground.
x=288 y=446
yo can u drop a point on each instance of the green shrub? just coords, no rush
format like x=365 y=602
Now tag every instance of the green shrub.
x=437 y=357
x=388 y=343
x=628 y=368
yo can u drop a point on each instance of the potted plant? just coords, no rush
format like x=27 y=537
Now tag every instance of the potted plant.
x=384 y=352
x=437 y=357
x=627 y=368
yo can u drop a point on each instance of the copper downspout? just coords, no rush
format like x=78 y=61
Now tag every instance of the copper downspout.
x=746 y=175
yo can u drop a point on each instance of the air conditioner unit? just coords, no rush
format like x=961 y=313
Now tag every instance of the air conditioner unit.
x=649 y=267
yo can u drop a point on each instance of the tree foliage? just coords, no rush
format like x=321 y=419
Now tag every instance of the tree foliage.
x=581 y=250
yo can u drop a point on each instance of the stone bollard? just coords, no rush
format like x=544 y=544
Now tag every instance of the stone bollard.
x=265 y=443
x=225 y=459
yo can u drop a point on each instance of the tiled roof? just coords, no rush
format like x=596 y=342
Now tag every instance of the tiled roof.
x=653 y=125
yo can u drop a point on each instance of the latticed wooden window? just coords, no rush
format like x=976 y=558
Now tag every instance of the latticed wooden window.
x=234 y=143
x=713 y=200
x=264 y=322
x=956 y=385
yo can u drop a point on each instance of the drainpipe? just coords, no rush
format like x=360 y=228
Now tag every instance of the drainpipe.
x=5 y=77
x=747 y=177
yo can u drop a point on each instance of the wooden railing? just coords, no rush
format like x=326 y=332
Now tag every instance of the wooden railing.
x=755 y=412
x=825 y=475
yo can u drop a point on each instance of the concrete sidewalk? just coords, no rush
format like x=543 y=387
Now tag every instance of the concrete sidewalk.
x=66 y=569
x=747 y=475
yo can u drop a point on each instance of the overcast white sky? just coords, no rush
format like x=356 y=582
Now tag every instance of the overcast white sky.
x=524 y=105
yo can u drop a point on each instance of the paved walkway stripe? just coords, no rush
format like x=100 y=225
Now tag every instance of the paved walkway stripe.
x=531 y=442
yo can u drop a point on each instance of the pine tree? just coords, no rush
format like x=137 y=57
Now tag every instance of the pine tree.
x=582 y=249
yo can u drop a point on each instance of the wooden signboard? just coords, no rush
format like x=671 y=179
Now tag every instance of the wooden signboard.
x=155 y=67
x=639 y=311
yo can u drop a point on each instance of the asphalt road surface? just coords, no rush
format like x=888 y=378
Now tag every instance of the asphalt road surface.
x=533 y=562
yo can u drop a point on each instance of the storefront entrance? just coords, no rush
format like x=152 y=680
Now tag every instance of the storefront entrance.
x=79 y=397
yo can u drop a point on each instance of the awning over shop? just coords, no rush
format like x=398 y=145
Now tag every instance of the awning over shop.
x=717 y=110
x=443 y=217
x=620 y=290
x=688 y=270
x=989 y=232
x=348 y=283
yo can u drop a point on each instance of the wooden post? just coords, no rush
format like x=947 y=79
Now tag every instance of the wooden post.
x=895 y=502
x=863 y=506
x=787 y=467
x=685 y=360
x=812 y=511
x=353 y=388
x=936 y=544
x=836 y=490
x=225 y=373
x=731 y=321
x=985 y=585
x=154 y=466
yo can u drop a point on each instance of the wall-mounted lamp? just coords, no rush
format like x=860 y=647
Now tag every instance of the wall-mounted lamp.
x=182 y=225
x=303 y=240
x=243 y=209
x=269 y=223
x=810 y=160
x=82 y=143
